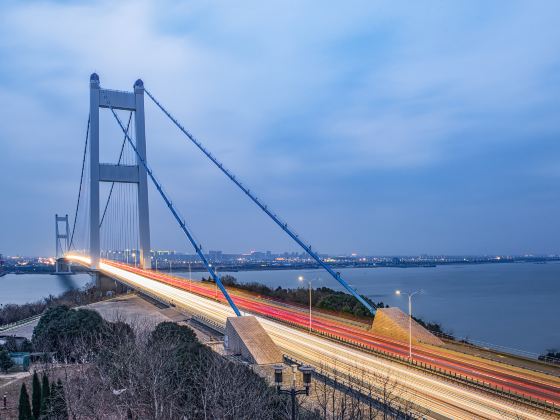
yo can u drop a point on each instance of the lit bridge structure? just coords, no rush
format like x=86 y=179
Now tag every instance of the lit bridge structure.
x=112 y=238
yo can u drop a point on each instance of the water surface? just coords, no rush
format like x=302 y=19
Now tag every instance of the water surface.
x=23 y=288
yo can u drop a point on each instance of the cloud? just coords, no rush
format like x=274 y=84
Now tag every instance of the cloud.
x=449 y=78
x=391 y=141
x=283 y=92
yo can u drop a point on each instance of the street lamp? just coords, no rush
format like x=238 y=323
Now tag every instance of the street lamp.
x=301 y=278
x=398 y=293
x=306 y=371
x=216 y=283
x=190 y=277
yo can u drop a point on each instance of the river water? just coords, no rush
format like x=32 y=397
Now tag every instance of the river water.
x=511 y=305
x=23 y=288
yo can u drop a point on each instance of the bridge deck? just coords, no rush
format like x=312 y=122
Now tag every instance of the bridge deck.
x=424 y=389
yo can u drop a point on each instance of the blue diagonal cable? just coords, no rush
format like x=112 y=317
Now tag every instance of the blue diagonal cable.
x=283 y=225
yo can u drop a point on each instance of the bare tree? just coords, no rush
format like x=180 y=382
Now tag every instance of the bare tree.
x=124 y=373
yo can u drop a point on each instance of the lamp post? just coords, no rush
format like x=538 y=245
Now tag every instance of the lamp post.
x=216 y=284
x=301 y=278
x=307 y=371
x=398 y=293
x=190 y=278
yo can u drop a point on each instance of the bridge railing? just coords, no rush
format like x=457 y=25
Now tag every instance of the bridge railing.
x=365 y=392
x=21 y=322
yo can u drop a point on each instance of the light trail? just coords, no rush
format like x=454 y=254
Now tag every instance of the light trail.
x=437 y=394
x=491 y=374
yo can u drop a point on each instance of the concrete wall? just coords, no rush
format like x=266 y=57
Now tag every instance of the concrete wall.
x=394 y=323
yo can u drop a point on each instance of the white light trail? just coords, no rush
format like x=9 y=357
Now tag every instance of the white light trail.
x=436 y=394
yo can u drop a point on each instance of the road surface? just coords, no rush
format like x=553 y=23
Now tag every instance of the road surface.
x=439 y=395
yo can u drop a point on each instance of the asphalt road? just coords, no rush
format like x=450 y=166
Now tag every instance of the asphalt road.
x=439 y=395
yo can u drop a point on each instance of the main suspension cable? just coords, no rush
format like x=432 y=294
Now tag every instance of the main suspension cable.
x=283 y=225
x=80 y=188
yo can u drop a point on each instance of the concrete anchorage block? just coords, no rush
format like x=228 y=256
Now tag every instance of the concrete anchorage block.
x=245 y=336
x=394 y=323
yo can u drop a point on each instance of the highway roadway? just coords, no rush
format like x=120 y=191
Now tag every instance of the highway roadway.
x=439 y=395
x=509 y=378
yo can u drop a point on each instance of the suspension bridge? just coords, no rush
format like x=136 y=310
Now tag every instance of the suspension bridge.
x=110 y=234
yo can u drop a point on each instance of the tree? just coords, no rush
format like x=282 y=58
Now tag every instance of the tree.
x=36 y=395
x=228 y=280
x=166 y=373
x=6 y=361
x=45 y=395
x=323 y=297
x=60 y=327
x=24 y=407
x=58 y=401
x=170 y=331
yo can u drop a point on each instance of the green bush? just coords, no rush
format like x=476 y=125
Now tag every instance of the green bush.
x=322 y=297
x=61 y=328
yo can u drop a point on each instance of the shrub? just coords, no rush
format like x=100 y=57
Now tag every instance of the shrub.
x=60 y=328
x=24 y=407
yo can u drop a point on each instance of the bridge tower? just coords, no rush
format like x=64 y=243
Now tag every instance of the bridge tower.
x=61 y=266
x=103 y=172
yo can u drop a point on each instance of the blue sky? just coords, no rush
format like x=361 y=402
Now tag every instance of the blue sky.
x=372 y=127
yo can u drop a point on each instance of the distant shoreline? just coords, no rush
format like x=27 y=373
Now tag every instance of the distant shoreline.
x=232 y=268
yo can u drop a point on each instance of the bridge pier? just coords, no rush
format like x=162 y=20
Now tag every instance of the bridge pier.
x=108 y=284
x=62 y=266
